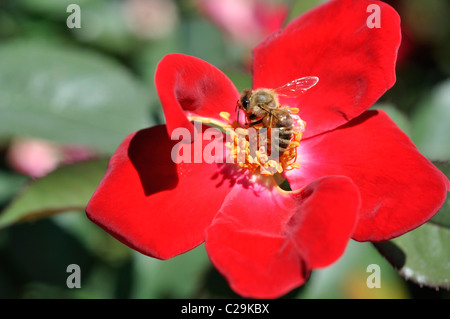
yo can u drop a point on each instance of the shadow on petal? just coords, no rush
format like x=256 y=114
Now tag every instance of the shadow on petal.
x=151 y=157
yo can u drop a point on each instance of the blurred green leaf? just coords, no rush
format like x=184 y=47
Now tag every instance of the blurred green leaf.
x=431 y=129
x=201 y=39
x=104 y=25
x=68 y=188
x=53 y=8
x=41 y=252
x=347 y=278
x=94 y=238
x=178 y=277
x=10 y=183
x=68 y=95
x=14 y=24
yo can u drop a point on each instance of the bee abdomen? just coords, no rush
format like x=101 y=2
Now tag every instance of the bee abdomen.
x=285 y=132
x=284 y=139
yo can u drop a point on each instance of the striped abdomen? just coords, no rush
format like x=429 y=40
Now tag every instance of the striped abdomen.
x=282 y=120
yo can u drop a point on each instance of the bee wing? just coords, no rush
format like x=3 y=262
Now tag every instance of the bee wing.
x=297 y=86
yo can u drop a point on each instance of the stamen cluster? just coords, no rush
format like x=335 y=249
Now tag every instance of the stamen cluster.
x=254 y=148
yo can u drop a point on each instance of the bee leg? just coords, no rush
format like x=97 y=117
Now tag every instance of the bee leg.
x=252 y=119
x=256 y=122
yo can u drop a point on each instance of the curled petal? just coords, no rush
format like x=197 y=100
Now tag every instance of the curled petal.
x=327 y=215
x=335 y=42
x=190 y=87
x=400 y=189
x=266 y=242
x=151 y=203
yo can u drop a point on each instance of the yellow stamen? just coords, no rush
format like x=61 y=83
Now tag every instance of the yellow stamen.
x=225 y=115
x=240 y=149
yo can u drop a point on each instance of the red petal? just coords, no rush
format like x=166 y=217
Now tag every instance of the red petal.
x=400 y=189
x=355 y=64
x=152 y=204
x=265 y=242
x=329 y=208
x=188 y=87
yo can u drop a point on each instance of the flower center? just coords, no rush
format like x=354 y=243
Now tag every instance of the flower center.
x=269 y=150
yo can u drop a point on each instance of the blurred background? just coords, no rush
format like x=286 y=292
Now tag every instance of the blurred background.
x=69 y=96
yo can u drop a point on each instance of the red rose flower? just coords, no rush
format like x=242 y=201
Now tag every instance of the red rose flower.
x=360 y=177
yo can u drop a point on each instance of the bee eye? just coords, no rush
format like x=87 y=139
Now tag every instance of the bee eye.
x=245 y=102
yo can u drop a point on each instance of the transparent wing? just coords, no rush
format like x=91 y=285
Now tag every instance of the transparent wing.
x=297 y=86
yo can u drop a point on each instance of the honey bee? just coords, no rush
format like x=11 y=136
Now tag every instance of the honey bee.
x=262 y=107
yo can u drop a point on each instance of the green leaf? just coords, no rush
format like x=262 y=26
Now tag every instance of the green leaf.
x=347 y=278
x=68 y=188
x=93 y=238
x=431 y=129
x=178 y=277
x=442 y=218
x=68 y=95
x=105 y=25
x=201 y=39
x=10 y=183
x=423 y=255
x=53 y=8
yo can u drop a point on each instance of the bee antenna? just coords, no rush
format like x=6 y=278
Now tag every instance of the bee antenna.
x=237 y=108
x=237 y=119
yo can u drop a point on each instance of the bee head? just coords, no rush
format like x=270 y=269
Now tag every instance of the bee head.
x=245 y=99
